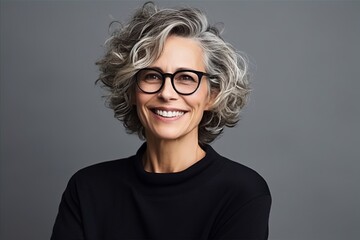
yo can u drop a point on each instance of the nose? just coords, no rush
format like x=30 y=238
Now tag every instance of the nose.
x=167 y=92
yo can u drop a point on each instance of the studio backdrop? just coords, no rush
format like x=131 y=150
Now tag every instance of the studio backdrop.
x=300 y=130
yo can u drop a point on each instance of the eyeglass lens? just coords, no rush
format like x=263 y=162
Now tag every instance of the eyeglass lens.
x=151 y=81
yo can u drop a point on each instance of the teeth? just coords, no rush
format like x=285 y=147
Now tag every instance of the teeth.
x=169 y=114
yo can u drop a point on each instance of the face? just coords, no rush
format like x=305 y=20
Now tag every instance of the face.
x=167 y=115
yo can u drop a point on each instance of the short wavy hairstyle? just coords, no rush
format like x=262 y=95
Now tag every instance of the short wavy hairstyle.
x=139 y=43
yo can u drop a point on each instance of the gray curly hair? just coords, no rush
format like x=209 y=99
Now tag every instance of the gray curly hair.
x=139 y=43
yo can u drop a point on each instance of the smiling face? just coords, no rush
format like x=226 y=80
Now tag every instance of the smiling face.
x=167 y=115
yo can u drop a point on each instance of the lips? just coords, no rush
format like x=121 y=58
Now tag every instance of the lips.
x=168 y=113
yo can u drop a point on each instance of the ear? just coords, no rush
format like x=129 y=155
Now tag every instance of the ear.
x=211 y=100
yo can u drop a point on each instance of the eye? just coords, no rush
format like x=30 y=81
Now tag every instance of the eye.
x=184 y=77
x=150 y=76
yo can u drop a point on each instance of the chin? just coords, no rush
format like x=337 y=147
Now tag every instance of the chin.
x=170 y=134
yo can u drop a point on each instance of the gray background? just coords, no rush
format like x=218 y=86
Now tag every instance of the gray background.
x=300 y=129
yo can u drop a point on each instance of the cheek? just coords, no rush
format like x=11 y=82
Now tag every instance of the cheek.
x=141 y=115
x=199 y=107
x=139 y=99
x=202 y=102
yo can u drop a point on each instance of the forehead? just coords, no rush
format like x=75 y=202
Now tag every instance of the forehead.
x=180 y=53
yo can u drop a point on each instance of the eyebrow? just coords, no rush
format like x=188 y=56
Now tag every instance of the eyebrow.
x=176 y=70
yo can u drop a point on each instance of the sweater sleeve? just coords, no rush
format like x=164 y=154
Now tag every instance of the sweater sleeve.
x=250 y=222
x=68 y=223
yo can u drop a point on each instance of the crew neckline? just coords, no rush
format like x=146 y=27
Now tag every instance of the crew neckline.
x=176 y=177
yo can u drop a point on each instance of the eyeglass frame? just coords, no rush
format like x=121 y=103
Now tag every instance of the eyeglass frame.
x=171 y=76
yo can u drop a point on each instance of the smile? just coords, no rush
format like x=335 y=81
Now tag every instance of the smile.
x=169 y=114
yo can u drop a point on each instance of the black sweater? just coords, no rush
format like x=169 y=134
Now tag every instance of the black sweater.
x=215 y=198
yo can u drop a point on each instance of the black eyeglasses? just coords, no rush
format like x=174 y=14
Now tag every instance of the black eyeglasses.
x=185 y=82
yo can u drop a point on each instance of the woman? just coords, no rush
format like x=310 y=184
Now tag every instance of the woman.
x=177 y=84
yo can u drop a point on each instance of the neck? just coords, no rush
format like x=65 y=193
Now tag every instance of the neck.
x=168 y=156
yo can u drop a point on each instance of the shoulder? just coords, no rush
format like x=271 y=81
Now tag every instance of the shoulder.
x=239 y=178
x=244 y=177
x=103 y=172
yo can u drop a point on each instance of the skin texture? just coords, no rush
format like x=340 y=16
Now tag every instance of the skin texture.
x=172 y=143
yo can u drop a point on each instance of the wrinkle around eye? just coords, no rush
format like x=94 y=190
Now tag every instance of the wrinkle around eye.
x=183 y=78
x=152 y=76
